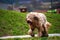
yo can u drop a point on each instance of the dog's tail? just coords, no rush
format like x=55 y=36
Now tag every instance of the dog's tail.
x=47 y=24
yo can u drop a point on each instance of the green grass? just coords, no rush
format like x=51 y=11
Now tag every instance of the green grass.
x=52 y=11
x=54 y=19
x=14 y=23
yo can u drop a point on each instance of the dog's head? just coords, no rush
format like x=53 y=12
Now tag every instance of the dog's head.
x=29 y=21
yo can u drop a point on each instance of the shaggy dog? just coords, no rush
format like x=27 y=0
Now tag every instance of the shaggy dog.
x=39 y=21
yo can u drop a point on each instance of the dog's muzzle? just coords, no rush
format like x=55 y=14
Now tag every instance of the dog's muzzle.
x=29 y=22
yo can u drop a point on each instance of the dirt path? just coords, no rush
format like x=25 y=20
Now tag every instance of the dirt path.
x=26 y=36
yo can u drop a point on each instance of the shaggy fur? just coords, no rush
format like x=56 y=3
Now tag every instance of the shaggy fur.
x=39 y=21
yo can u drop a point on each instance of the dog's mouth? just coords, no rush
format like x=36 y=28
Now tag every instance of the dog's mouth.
x=29 y=22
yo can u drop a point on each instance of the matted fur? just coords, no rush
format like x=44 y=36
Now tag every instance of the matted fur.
x=39 y=21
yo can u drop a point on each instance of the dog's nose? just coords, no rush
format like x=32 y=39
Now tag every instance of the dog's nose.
x=29 y=22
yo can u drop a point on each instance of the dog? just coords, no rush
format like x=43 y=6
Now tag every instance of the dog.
x=39 y=21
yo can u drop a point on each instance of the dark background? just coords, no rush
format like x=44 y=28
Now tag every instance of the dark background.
x=36 y=4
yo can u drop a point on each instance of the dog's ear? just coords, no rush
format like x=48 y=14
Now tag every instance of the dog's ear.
x=36 y=18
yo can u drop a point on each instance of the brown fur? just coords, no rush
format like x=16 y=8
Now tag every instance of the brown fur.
x=39 y=21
